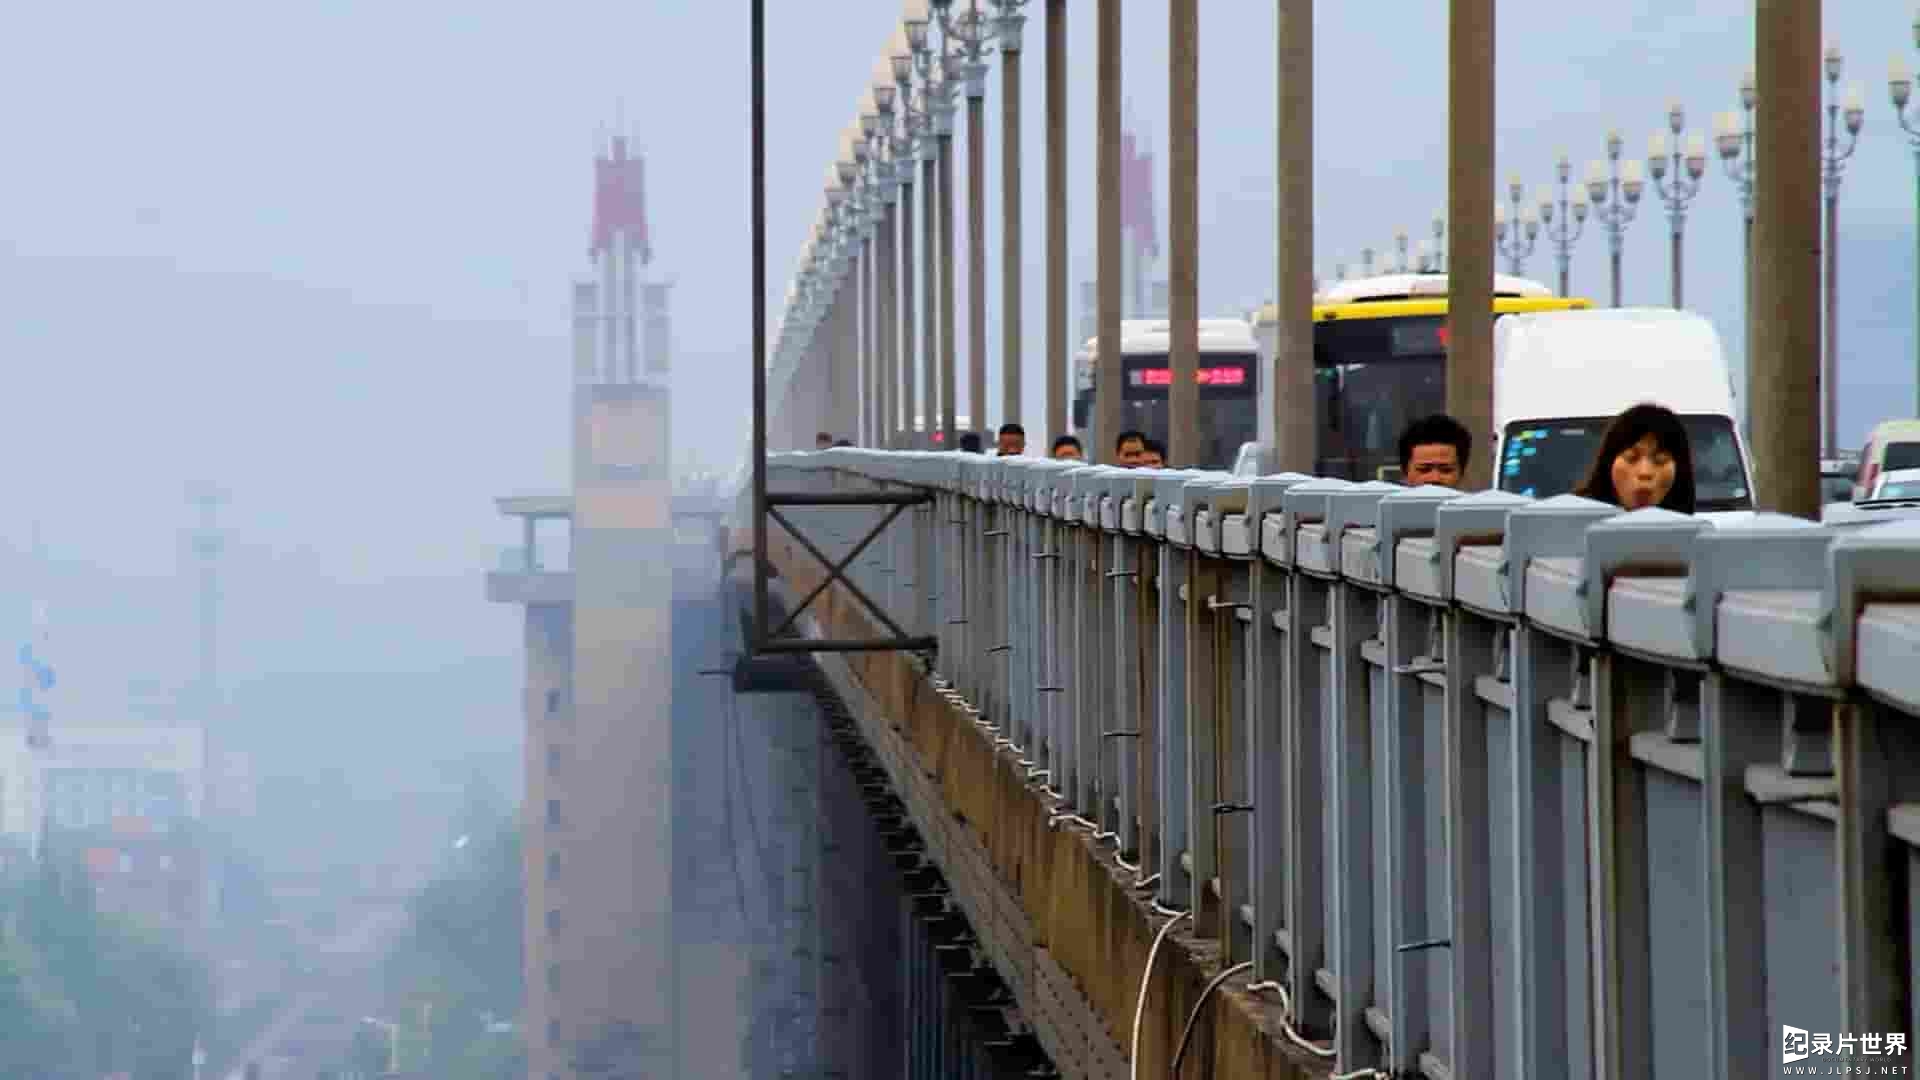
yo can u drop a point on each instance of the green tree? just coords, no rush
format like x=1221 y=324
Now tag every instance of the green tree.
x=83 y=993
x=460 y=962
x=37 y=1021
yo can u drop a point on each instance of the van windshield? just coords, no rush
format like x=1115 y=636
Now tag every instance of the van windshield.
x=1901 y=455
x=1543 y=458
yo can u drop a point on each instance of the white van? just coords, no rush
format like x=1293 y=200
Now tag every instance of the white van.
x=1560 y=377
x=1893 y=444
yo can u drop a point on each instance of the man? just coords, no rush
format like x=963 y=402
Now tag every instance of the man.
x=1154 y=456
x=1435 y=450
x=1128 y=448
x=1013 y=440
x=822 y=441
x=971 y=443
x=1067 y=448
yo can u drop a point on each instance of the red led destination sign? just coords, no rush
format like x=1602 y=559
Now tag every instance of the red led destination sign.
x=1206 y=376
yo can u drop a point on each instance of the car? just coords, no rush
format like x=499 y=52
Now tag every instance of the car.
x=1898 y=485
x=1893 y=445
x=1837 y=475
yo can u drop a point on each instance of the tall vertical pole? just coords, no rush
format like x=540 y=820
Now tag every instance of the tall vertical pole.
x=1746 y=323
x=1059 y=358
x=859 y=309
x=888 y=329
x=1011 y=379
x=977 y=247
x=1783 y=339
x=949 y=346
x=930 y=408
x=1292 y=371
x=1675 y=271
x=1617 y=257
x=1830 y=319
x=909 y=358
x=849 y=355
x=1470 y=182
x=870 y=325
x=1107 y=376
x=1183 y=225
x=757 y=33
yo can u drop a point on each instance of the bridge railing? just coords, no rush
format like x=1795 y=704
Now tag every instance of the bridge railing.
x=1479 y=785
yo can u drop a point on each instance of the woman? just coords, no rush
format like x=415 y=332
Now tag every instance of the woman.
x=1644 y=460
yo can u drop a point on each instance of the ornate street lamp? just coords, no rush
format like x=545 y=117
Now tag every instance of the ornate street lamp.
x=1515 y=243
x=1563 y=211
x=1614 y=187
x=1689 y=168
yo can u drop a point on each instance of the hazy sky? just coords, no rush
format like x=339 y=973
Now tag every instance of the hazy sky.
x=319 y=253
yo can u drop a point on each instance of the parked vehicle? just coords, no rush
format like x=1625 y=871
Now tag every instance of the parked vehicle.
x=1893 y=444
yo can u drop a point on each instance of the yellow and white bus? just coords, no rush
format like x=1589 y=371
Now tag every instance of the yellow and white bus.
x=1379 y=353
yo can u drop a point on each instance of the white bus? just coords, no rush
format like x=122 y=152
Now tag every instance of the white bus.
x=1227 y=372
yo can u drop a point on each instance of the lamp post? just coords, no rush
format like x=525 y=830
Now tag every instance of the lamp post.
x=908 y=142
x=1516 y=243
x=842 y=387
x=972 y=32
x=854 y=211
x=1900 y=88
x=1107 y=381
x=1848 y=114
x=1688 y=160
x=1007 y=27
x=1733 y=137
x=1183 y=293
x=1614 y=186
x=1563 y=211
x=1059 y=356
x=888 y=152
x=868 y=212
x=882 y=171
x=939 y=72
x=916 y=79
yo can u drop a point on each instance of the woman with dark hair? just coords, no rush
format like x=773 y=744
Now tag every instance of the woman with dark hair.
x=1644 y=460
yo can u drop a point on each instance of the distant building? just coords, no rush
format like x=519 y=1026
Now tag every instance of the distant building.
x=126 y=797
x=596 y=839
x=153 y=875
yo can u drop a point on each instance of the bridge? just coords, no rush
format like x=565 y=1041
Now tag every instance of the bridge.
x=1306 y=775
x=1124 y=773
x=1291 y=776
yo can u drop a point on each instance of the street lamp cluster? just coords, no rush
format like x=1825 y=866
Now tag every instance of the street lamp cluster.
x=1677 y=164
x=853 y=292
